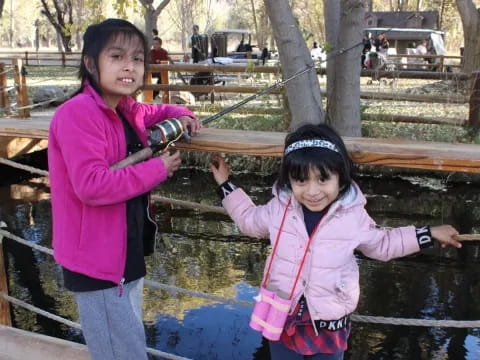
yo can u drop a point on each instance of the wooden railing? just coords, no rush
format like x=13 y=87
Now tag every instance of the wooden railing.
x=73 y=58
x=165 y=70
x=51 y=58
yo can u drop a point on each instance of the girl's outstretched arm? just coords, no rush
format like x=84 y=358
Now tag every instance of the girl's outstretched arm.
x=221 y=171
x=252 y=220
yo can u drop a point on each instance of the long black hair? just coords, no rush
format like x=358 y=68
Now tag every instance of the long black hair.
x=297 y=164
x=95 y=39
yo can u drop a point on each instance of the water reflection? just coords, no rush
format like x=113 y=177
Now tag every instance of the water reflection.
x=205 y=252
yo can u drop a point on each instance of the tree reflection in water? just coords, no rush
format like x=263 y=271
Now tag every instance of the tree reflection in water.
x=205 y=252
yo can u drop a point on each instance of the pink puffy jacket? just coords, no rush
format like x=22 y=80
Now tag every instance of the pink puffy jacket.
x=330 y=277
x=86 y=137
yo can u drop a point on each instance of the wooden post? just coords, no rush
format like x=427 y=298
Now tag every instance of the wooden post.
x=26 y=57
x=212 y=93
x=23 y=73
x=474 y=112
x=148 y=94
x=18 y=83
x=5 y=318
x=442 y=64
x=165 y=80
x=63 y=59
x=4 y=103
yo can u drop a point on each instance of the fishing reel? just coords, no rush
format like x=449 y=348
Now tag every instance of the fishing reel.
x=164 y=134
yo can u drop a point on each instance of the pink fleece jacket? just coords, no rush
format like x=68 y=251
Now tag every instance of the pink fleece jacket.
x=86 y=137
x=330 y=277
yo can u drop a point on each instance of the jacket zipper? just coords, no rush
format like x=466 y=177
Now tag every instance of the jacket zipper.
x=149 y=218
x=120 y=287
x=327 y=216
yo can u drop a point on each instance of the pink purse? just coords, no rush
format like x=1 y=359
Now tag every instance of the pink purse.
x=273 y=306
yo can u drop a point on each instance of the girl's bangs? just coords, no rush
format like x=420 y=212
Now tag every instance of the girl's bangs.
x=299 y=166
x=127 y=36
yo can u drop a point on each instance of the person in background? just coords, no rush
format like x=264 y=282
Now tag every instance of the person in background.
x=367 y=46
x=196 y=44
x=156 y=56
x=381 y=45
x=421 y=49
x=102 y=228
x=265 y=55
x=317 y=218
x=154 y=33
x=316 y=52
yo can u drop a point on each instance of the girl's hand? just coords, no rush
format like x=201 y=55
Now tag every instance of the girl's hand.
x=444 y=234
x=221 y=172
x=191 y=124
x=172 y=161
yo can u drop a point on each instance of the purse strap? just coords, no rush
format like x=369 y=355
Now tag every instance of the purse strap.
x=277 y=240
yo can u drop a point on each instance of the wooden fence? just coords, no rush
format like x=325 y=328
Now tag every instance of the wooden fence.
x=441 y=63
x=245 y=70
x=20 y=85
x=51 y=58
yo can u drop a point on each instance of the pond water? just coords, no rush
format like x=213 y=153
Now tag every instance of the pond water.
x=205 y=252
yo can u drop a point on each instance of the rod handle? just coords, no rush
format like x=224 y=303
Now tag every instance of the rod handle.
x=467 y=237
x=187 y=137
x=133 y=159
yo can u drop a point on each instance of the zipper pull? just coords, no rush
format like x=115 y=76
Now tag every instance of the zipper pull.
x=120 y=287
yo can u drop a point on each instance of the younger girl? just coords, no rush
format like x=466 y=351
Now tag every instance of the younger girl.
x=316 y=199
x=101 y=225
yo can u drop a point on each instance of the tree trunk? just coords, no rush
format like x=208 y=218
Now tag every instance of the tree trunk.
x=255 y=23
x=346 y=98
x=471 y=28
x=343 y=68
x=150 y=24
x=331 y=10
x=59 y=42
x=61 y=19
x=303 y=92
x=151 y=17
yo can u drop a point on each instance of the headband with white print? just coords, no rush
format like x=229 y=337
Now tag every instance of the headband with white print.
x=313 y=143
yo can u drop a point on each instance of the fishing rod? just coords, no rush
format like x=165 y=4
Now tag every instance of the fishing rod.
x=167 y=132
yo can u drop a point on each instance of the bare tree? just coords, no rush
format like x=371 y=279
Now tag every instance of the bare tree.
x=255 y=22
x=343 y=66
x=61 y=18
x=303 y=93
x=370 y=5
x=183 y=15
x=470 y=15
x=151 y=15
x=260 y=23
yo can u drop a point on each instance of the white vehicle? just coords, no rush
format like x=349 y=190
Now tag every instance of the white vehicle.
x=405 y=41
x=400 y=39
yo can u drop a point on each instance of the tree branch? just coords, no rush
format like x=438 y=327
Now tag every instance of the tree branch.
x=160 y=7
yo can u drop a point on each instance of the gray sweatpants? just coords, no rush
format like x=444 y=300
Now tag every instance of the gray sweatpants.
x=112 y=325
